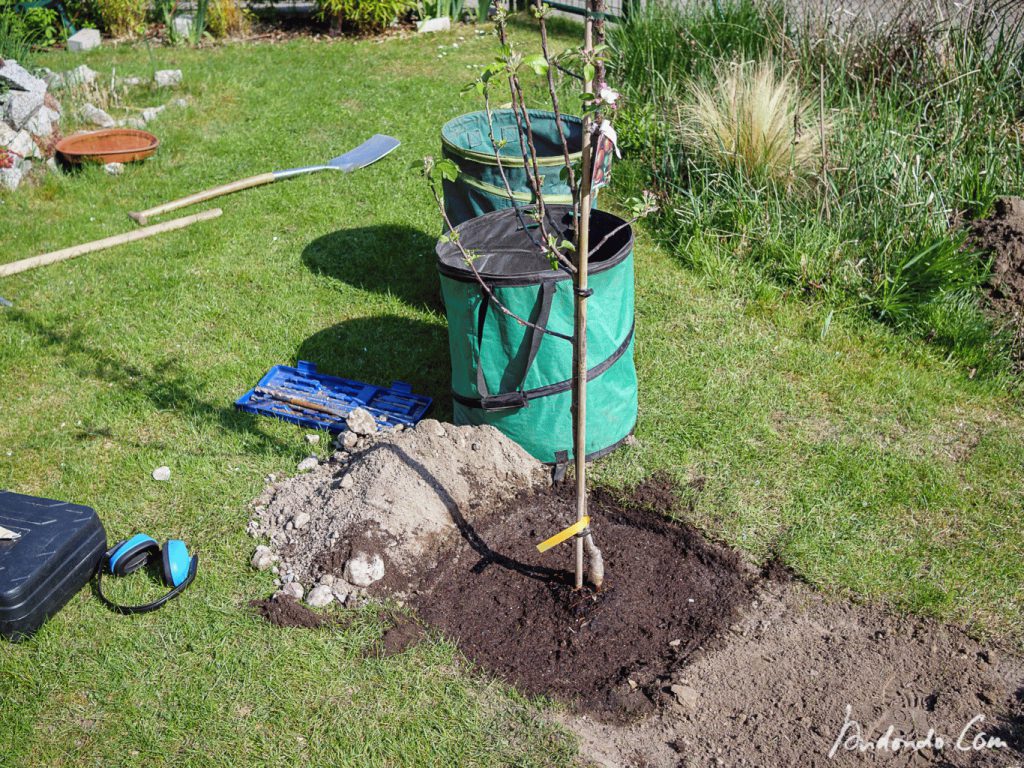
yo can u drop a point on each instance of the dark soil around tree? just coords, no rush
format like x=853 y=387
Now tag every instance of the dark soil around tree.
x=1001 y=238
x=514 y=612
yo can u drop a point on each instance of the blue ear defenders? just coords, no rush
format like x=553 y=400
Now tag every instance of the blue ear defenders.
x=177 y=567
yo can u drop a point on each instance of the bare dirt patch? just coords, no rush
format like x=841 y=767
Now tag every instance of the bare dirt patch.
x=689 y=657
x=775 y=692
x=1001 y=236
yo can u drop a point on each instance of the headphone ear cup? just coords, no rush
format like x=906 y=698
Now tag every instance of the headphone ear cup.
x=132 y=554
x=176 y=562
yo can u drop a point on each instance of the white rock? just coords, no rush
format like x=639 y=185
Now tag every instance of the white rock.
x=150 y=113
x=349 y=440
x=163 y=474
x=183 y=26
x=96 y=116
x=363 y=569
x=11 y=177
x=263 y=558
x=442 y=24
x=312 y=439
x=318 y=597
x=131 y=82
x=22 y=144
x=134 y=122
x=301 y=520
x=308 y=464
x=84 y=40
x=114 y=169
x=42 y=122
x=19 y=78
x=180 y=103
x=686 y=697
x=327 y=580
x=80 y=75
x=293 y=589
x=52 y=165
x=167 y=78
x=361 y=422
x=346 y=482
x=21 y=106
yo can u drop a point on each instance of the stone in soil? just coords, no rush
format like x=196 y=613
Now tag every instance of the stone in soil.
x=308 y=464
x=361 y=422
x=19 y=78
x=320 y=596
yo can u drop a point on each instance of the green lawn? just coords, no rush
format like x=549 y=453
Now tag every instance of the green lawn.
x=871 y=465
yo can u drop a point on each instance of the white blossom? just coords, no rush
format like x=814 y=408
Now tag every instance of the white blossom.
x=608 y=96
x=605 y=130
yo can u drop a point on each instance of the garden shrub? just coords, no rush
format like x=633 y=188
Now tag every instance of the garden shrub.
x=227 y=18
x=363 y=16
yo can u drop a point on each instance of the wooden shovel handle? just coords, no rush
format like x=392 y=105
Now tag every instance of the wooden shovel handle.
x=108 y=242
x=143 y=217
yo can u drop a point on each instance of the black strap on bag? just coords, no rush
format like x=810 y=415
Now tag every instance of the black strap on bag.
x=516 y=398
x=522 y=397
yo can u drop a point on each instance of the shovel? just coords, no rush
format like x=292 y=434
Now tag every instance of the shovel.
x=368 y=152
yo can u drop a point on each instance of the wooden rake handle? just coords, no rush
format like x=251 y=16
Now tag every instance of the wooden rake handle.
x=143 y=217
x=108 y=242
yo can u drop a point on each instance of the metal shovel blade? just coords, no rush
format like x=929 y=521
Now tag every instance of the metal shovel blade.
x=370 y=151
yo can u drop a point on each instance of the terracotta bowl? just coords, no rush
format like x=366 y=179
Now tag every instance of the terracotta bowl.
x=111 y=145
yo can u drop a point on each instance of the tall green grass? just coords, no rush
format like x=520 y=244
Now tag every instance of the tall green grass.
x=926 y=133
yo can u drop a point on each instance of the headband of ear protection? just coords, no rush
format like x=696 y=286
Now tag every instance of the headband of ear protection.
x=177 y=567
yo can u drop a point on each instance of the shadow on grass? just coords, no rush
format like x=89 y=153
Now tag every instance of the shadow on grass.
x=387 y=259
x=168 y=387
x=379 y=350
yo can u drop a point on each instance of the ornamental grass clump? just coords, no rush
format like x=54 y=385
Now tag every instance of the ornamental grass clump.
x=754 y=119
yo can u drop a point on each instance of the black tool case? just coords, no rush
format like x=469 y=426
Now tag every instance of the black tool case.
x=55 y=556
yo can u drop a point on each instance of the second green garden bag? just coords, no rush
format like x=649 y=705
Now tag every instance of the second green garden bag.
x=517 y=378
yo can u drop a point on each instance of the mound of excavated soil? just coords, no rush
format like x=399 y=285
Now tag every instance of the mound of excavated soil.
x=514 y=611
x=1001 y=236
x=372 y=516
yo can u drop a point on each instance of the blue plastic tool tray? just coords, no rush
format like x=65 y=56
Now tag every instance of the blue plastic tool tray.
x=389 y=405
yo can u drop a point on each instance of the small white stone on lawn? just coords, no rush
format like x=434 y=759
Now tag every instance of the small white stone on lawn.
x=308 y=464
x=150 y=113
x=162 y=474
x=80 y=75
x=167 y=78
x=84 y=40
x=270 y=479
x=263 y=558
x=10 y=178
x=93 y=114
x=114 y=169
x=312 y=439
x=131 y=81
x=442 y=24
x=361 y=422
x=363 y=569
x=318 y=597
x=301 y=520
x=293 y=589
